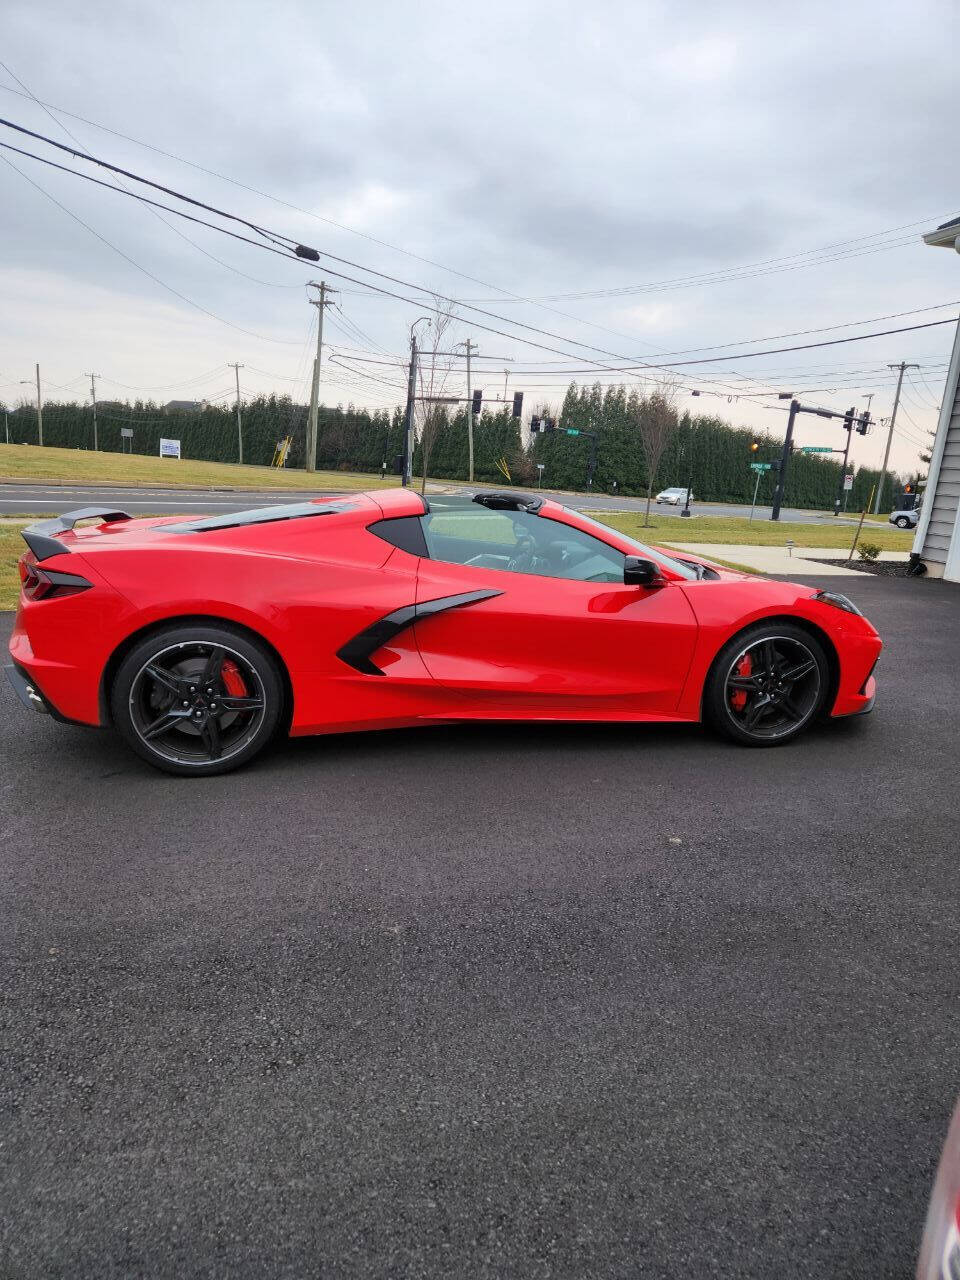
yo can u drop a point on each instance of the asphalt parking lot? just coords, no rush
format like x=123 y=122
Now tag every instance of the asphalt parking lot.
x=490 y=1002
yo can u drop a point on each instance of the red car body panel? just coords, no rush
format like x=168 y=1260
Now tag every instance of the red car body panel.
x=532 y=647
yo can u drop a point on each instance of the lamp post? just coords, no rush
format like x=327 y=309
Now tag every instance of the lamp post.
x=408 y=432
x=686 y=502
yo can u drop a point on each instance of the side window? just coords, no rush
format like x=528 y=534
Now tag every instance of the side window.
x=519 y=542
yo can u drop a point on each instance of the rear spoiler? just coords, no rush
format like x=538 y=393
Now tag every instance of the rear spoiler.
x=41 y=538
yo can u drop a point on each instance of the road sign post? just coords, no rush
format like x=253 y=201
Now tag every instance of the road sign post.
x=753 y=504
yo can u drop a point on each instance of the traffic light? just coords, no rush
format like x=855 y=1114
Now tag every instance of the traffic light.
x=549 y=424
x=908 y=488
x=864 y=425
x=754 y=447
x=535 y=424
x=848 y=418
x=517 y=404
x=477 y=402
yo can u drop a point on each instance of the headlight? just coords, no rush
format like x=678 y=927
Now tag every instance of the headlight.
x=838 y=601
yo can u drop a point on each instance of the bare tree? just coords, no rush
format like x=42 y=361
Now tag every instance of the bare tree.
x=433 y=373
x=656 y=421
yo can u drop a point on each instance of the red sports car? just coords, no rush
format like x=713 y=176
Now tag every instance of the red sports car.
x=198 y=640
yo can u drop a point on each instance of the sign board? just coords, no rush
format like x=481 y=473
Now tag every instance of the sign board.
x=169 y=448
x=817 y=448
x=848 y=481
x=126 y=433
x=759 y=466
x=572 y=431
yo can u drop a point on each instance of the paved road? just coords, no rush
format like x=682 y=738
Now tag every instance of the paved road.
x=502 y=1002
x=28 y=498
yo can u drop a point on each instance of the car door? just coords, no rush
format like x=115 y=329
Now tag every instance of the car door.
x=546 y=624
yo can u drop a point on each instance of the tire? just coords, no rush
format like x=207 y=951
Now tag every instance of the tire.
x=752 y=700
x=902 y=522
x=197 y=700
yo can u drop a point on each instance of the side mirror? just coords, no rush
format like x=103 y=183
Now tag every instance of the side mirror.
x=638 y=572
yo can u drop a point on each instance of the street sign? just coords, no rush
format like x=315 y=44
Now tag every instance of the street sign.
x=848 y=481
x=126 y=433
x=572 y=431
x=818 y=448
x=169 y=448
x=759 y=466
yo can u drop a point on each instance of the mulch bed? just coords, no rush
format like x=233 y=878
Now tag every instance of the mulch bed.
x=882 y=568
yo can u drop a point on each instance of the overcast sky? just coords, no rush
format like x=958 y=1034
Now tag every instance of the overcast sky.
x=537 y=149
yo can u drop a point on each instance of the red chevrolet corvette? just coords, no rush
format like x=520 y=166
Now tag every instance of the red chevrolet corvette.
x=199 y=640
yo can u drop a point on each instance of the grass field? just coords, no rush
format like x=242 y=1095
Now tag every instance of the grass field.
x=26 y=462
x=752 y=533
x=12 y=548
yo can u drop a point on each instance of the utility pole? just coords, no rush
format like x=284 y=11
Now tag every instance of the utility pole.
x=236 y=369
x=310 y=461
x=471 y=347
x=903 y=367
x=39 y=411
x=93 y=396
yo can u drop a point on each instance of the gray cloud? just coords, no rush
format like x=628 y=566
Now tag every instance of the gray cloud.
x=542 y=146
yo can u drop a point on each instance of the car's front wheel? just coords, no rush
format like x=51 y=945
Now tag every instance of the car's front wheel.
x=197 y=700
x=767 y=685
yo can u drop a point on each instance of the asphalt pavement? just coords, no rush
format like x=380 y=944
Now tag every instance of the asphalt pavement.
x=487 y=1002
x=44 y=496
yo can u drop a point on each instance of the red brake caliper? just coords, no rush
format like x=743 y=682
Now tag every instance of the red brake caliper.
x=738 y=699
x=232 y=679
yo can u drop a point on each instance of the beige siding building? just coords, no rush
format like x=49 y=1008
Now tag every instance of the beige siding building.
x=937 y=542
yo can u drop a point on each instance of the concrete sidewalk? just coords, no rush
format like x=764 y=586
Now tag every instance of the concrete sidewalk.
x=778 y=560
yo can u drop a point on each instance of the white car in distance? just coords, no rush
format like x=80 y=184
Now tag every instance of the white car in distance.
x=674 y=497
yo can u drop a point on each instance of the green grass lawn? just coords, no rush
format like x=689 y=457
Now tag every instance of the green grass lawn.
x=27 y=462
x=12 y=547
x=752 y=533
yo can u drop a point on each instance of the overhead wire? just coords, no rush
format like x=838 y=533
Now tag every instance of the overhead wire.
x=133 y=262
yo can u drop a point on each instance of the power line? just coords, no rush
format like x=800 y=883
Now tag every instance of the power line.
x=277 y=240
x=396 y=248
x=133 y=262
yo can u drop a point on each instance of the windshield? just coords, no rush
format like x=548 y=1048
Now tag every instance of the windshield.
x=640 y=549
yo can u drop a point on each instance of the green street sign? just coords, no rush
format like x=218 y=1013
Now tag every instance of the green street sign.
x=816 y=448
x=572 y=431
x=759 y=466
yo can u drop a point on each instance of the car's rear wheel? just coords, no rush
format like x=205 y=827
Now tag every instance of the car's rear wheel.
x=197 y=700
x=902 y=522
x=767 y=685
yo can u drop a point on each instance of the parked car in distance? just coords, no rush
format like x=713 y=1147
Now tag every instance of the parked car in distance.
x=905 y=519
x=940 y=1248
x=674 y=497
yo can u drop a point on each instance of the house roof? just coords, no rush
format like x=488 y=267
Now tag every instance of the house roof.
x=945 y=236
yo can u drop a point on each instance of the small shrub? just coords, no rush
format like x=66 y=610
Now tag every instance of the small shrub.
x=868 y=551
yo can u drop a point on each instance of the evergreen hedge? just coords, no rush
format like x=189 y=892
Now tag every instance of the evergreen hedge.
x=706 y=452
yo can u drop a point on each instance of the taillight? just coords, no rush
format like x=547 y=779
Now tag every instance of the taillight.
x=48 y=584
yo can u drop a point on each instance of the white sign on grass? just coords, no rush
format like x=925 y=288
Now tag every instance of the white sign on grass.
x=169 y=448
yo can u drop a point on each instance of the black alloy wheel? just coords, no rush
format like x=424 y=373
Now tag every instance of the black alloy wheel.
x=767 y=685
x=197 y=700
